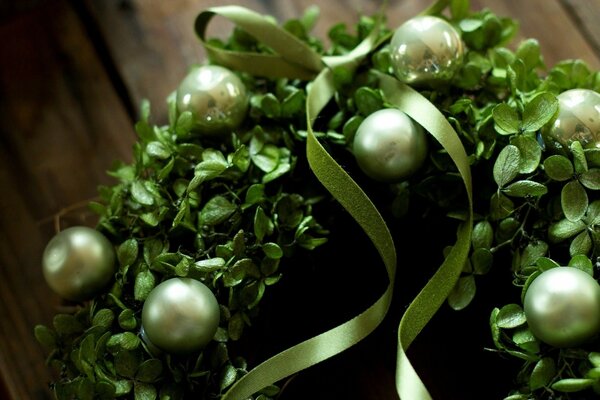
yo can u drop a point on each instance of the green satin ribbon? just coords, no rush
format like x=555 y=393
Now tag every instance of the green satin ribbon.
x=294 y=59
x=433 y=295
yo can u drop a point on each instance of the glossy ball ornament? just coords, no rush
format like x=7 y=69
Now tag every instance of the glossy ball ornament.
x=216 y=97
x=426 y=49
x=578 y=119
x=562 y=306
x=389 y=146
x=78 y=263
x=180 y=315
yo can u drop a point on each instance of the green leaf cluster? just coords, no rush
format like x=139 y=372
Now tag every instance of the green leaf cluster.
x=227 y=211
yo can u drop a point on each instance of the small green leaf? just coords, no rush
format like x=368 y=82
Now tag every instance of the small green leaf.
x=526 y=188
x=104 y=318
x=531 y=153
x=66 y=324
x=149 y=371
x=506 y=167
x=140 y=194
x=158 y=150
x=270 y=105
x=463 y=292
x=571 y=385
x=506 y=119
x=293 y=104
x=558 y=168
x=592 y=216
x=579 y=159
x=236 y=326
x=500 y=206
x=215 y=211
x=539 y=111
x=127 y=319
x=594 y=358
x=144 y=283
x=583 y=263
x=542 y=374
x=532 y=252
x=582 y=244
x=529 y=52
x=127 y=252
x=209 y=169
x=255 y=194
x=227 y=377
x=367 y=100
x=144 y=391
x=45 y=336
x=511 y=316
x=591 y=179
x=482 y=260
x=123 y=341
x=483 y=235
x=184 y=124
x=267 y=158
x=272 y=250
x=263 y=225
x=210 y=265
x=574 y=201
x=564 y=229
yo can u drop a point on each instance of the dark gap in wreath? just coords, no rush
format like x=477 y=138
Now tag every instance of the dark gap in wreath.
x=92 y=28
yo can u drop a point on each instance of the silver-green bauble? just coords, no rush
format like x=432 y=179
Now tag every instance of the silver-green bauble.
x=389 y=146
x=180 y=315
x=578 y=119
x=216 y=97
x=562 y=306
x=426 y=50
x=78 y=263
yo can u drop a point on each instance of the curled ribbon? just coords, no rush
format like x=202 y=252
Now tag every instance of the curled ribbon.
x=292 y=58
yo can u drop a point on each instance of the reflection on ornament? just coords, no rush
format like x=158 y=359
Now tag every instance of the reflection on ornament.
x=562 y=307
x=180 y=315
x=578 y=119
x=389 y=146
x=426 y=49
x=216 y=97
x=78 y=262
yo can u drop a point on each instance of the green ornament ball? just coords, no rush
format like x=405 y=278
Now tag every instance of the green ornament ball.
x=216 y=97
x=78 y=263
x=426 y=50
x=180 y=315
x=389 y=146
x=562 y=306
x=578 y=119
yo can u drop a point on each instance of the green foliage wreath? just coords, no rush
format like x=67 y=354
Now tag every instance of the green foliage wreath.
x=235 y=212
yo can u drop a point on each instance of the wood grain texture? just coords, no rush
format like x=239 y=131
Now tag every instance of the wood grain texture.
x=69 y=76
x=586 y=15
x=61 y=128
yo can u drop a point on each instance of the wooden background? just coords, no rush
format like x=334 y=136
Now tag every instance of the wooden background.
x=72 y=74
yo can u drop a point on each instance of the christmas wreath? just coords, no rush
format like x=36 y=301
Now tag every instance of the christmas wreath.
x=280 y=146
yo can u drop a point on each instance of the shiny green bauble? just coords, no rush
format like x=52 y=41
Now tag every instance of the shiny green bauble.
x=389 y=146
x=578 y=119
x=78 y=263
x=562 y=306
x=426 y=50
x=180 y=315
x=216 y=97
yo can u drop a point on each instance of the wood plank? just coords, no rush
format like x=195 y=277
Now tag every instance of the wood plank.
x=586 y=15
x=560 y=35
x=61 y=126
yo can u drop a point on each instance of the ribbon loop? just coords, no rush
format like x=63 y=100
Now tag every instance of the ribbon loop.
x=292 y=59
